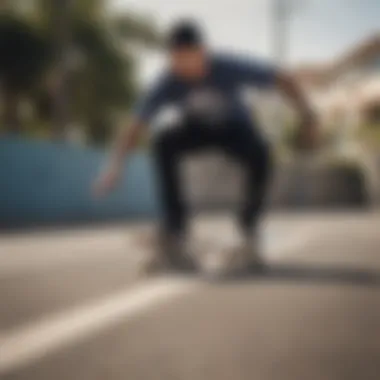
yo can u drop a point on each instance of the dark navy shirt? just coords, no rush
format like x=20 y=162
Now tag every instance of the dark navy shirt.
x=218 y=95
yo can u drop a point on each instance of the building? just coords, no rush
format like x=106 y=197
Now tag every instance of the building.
x=346 y=92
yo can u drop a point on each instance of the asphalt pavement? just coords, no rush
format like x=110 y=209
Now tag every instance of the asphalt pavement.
x=73 y=305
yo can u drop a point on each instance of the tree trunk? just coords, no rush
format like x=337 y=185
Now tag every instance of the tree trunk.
x=61 y=20
x=11 y=116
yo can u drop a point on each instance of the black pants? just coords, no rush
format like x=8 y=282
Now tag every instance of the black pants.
x=236 y=139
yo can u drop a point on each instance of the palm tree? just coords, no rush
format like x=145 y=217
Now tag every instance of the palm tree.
x=23 y=57
x=104 y=85
x=102 y=82
x=95 y=59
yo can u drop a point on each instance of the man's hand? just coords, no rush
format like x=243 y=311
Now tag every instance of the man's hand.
x=107 y=181
x=125 y=143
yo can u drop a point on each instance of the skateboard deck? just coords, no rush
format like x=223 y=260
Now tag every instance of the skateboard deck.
x=213 y=257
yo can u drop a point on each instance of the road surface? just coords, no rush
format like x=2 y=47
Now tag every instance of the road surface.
x=73 y=306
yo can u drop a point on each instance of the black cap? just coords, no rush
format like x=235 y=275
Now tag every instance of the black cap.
x=184 y=34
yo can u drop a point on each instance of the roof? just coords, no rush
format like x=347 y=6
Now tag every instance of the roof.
x=360 y=54
x=312 y=74
x=318 y=74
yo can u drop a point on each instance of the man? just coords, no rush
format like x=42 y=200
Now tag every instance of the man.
x=205 y=88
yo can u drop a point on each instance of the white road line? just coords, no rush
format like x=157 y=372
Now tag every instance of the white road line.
x=33 y=342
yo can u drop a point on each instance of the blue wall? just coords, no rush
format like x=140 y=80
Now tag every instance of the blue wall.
x=45 y=183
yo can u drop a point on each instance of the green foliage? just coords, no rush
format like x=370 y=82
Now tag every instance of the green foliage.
x=24 y=53
x=24 y=56
x=102 y=82
x=369 y=135
x=103 y=85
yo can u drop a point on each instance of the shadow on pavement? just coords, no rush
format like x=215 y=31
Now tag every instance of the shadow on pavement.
x=312 y=274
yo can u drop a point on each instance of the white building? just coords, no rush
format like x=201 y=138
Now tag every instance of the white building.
x=347 y=92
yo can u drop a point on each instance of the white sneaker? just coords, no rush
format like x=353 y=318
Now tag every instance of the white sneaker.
x=150 y=259
x=175 y=251
x=166 y=252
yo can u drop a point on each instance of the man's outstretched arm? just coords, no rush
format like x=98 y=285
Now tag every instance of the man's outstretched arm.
x=128 y=138
x=265 y=76
x=125 y=143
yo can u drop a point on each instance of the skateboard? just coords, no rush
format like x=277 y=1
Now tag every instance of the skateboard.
x=213 y=257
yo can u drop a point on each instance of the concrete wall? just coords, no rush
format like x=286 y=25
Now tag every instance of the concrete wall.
x=45 y=183
x=330 y=186
x=216 y=182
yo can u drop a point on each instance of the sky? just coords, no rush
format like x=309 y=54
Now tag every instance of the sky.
x=317 y=30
